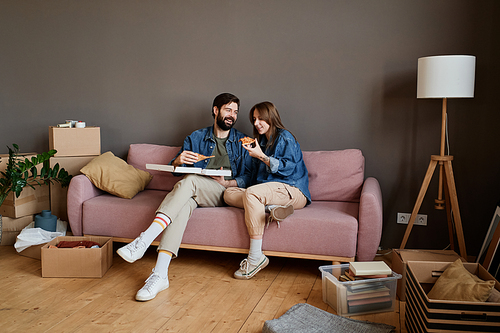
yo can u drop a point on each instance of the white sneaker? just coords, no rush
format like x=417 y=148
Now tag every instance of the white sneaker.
x=154 y=284
x=247 y=270
x=134 y=250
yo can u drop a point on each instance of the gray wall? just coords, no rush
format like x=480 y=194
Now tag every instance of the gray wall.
x=342 y=74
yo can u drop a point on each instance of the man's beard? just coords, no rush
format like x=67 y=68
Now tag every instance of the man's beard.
x=222 y=124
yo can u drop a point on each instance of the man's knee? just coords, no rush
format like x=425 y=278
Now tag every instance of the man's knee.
x=188 y=180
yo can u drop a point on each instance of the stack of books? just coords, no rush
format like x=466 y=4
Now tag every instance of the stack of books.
x=368 y=294
x=366 y=270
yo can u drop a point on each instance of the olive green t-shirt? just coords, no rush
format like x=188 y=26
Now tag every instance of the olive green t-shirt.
x=221 y=158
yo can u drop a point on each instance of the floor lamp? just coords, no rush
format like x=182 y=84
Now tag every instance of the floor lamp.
x=444 y=77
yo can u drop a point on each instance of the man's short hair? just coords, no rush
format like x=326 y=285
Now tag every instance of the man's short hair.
x=223 y=99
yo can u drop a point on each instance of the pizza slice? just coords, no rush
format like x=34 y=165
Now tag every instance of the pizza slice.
x=246 y=140
x=203 y=157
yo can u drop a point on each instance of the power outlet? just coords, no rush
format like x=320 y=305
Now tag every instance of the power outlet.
x=404 y=218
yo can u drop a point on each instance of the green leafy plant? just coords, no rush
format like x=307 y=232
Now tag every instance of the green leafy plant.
x=23 y=172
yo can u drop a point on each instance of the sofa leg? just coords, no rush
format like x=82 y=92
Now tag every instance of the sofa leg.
x=336 y=262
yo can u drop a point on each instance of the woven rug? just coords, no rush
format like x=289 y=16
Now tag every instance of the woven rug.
x=306 y=318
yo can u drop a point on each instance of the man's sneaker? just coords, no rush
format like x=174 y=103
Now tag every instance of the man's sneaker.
x=279 y=213
x=247 y=270
x=134 y=250
x=154 y=284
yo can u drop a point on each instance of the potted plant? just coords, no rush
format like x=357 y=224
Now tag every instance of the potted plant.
x=23 y=172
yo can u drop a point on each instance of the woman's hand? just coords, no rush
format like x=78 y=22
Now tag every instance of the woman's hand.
x=256 y=152
x=253 y=149
x=186 y=157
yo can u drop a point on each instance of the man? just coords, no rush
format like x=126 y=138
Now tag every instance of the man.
x=220 y=141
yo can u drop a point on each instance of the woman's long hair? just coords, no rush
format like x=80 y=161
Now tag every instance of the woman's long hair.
x=271 y=116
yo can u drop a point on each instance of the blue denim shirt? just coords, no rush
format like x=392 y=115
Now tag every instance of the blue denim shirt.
x=286 y=164
x=203 y=142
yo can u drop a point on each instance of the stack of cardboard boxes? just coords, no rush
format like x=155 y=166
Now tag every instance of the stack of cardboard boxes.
x=75 y=148
x=19 y=212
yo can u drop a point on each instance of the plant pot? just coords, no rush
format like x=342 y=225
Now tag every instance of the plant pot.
x=46 y=221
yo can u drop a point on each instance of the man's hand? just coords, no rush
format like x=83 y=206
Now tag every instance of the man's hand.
x=186 y=157
x=223 y=182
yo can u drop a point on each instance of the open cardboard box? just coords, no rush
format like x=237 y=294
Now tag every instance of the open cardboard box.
x=401 y=256
x=423 y=314
x=76 y=262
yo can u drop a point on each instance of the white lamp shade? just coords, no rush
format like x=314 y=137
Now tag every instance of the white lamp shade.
x=446 y=76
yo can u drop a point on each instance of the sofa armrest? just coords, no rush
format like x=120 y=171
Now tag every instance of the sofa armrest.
x=370 y=220
x=80 y=190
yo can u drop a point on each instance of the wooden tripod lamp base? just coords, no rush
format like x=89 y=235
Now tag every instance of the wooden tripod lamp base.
x=450 y=199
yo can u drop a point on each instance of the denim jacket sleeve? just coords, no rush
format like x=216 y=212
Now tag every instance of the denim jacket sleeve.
x=285 y=155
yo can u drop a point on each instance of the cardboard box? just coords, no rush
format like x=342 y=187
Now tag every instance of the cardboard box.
x=429 y=315
x=357 y=297
x=75 y=141
x=30 y=202
x=34 y=251
x=4 y=160
x=58 y=194
x=401 y=256
x=75 y=262
x=12 y=227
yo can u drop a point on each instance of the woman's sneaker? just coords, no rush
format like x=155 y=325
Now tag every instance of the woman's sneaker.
x=154 y=284
x=247 y=270
x=134 y=250
x=278 y=213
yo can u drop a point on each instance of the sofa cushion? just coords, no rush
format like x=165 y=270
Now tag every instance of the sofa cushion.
x=335 y=175
x=113 y=175
x=141 y=154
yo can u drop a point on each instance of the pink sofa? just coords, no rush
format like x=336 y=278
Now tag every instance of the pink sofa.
x=343 y=223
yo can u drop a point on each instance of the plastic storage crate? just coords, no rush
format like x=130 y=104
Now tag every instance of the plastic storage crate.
x=357 y=297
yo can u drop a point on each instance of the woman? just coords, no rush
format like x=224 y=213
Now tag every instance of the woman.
x=279 y=178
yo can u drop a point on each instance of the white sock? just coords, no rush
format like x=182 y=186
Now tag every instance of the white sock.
x=162 y=263
x=255 y=251
x=270 y=207
x=159 y=224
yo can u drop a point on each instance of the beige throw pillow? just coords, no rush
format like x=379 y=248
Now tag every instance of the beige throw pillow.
x=458 y=284
x=113 y=175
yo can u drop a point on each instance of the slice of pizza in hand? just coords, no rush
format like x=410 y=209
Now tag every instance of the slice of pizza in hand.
x=203 y=157
x=247 y=140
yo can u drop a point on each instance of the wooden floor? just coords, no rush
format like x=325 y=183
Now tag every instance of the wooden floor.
x=203 y=296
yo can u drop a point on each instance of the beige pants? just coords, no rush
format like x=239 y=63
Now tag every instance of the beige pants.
x=178 y=205
x=255 y=198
